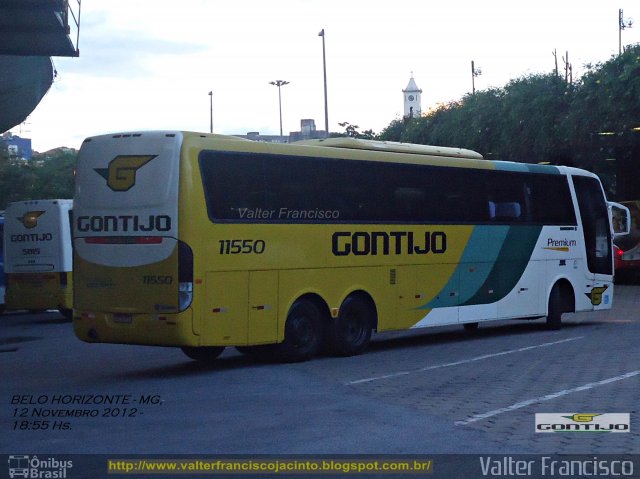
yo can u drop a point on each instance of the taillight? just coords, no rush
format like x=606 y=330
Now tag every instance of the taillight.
x=185 y=275
x=619 y=253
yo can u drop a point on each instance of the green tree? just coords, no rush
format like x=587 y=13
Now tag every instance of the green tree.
x=603 y=122
x=56 y=175
x=40 y=178
x=351 y=131
x=542 y=118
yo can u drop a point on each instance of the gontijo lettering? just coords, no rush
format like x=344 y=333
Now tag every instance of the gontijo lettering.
x=123 y=223
x=31 y=237
x=360 y=243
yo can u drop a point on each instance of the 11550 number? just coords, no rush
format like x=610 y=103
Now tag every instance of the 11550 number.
x=237 y=246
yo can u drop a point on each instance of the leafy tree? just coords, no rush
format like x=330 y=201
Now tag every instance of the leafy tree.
x=351 y=131
x=603 y=119
x=40 y=178
x=56 y=175
x=541 y=118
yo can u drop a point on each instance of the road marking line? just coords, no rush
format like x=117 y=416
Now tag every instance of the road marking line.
x=463 y=361
x=548 y=397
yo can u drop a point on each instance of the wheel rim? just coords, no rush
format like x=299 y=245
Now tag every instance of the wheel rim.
x=303 y=331
x=354 y=327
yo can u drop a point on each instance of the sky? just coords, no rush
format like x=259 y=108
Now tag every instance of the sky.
x=150 y=64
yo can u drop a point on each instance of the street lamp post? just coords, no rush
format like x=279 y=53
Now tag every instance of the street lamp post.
x=279 y=83
x=622 y=24
x=475 y=72
x=211 y=111
x=324 y=68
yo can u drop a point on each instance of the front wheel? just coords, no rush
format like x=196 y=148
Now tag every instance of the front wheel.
x=205 y=354
x=554 y=314
x=302 y=333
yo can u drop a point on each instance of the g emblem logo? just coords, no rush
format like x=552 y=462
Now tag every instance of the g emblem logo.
x=582 y=417
x=596 y=295
x=121 y=174
x=30 y=219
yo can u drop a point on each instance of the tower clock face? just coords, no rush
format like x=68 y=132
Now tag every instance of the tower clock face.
x=410 y=98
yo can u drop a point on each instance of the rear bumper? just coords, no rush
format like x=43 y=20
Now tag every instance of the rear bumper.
x=148 y=329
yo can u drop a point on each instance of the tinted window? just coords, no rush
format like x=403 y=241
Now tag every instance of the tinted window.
x=550 y=200
x=250 y=187
x=595 y=224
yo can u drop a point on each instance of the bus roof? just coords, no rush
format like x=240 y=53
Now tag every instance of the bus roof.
x=392 y=146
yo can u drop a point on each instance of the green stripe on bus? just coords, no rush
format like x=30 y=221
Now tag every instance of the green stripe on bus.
x=514 y=257
x=480 y=255
x=527 y=168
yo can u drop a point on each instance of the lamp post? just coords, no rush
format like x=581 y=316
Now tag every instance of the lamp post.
x=279 y=83
x=622 y=24
x=324 y=68
x=211 y=111
x=475 y=72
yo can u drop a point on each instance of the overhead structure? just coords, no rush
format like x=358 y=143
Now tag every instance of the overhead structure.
x=40 y=27
x=32 y=31
x=23 y=83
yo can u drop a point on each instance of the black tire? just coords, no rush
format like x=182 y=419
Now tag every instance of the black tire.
x=554 y=314
x=67 y=313
x=471 y=327
x=205 y=354
x=350 y=332
x=302 y=333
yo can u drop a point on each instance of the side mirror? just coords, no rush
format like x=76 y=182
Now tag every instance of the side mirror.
x=620 y=219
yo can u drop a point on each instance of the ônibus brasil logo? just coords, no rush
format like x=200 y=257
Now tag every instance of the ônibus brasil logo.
x=121 y=173
x=38 y=467
x=583 y=422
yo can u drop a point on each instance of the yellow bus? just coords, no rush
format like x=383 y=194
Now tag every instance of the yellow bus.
x=206 y=241
x=38 y=259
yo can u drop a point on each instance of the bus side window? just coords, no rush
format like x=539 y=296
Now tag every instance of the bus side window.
x=505 y=211
x=492 y=210
x=409 y=203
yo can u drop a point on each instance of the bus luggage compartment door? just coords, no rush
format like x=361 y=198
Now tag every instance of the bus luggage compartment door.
x=224 y=317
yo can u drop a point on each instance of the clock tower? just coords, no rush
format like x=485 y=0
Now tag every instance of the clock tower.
x=412 y=106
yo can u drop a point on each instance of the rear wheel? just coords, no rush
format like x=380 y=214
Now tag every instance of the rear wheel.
x=350 y=332
x=302 y=333
x=205 y=354
x=471 y=326
x=67 y=313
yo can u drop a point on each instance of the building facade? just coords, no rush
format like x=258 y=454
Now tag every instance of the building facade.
x=19 y=148
x=307 y=132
